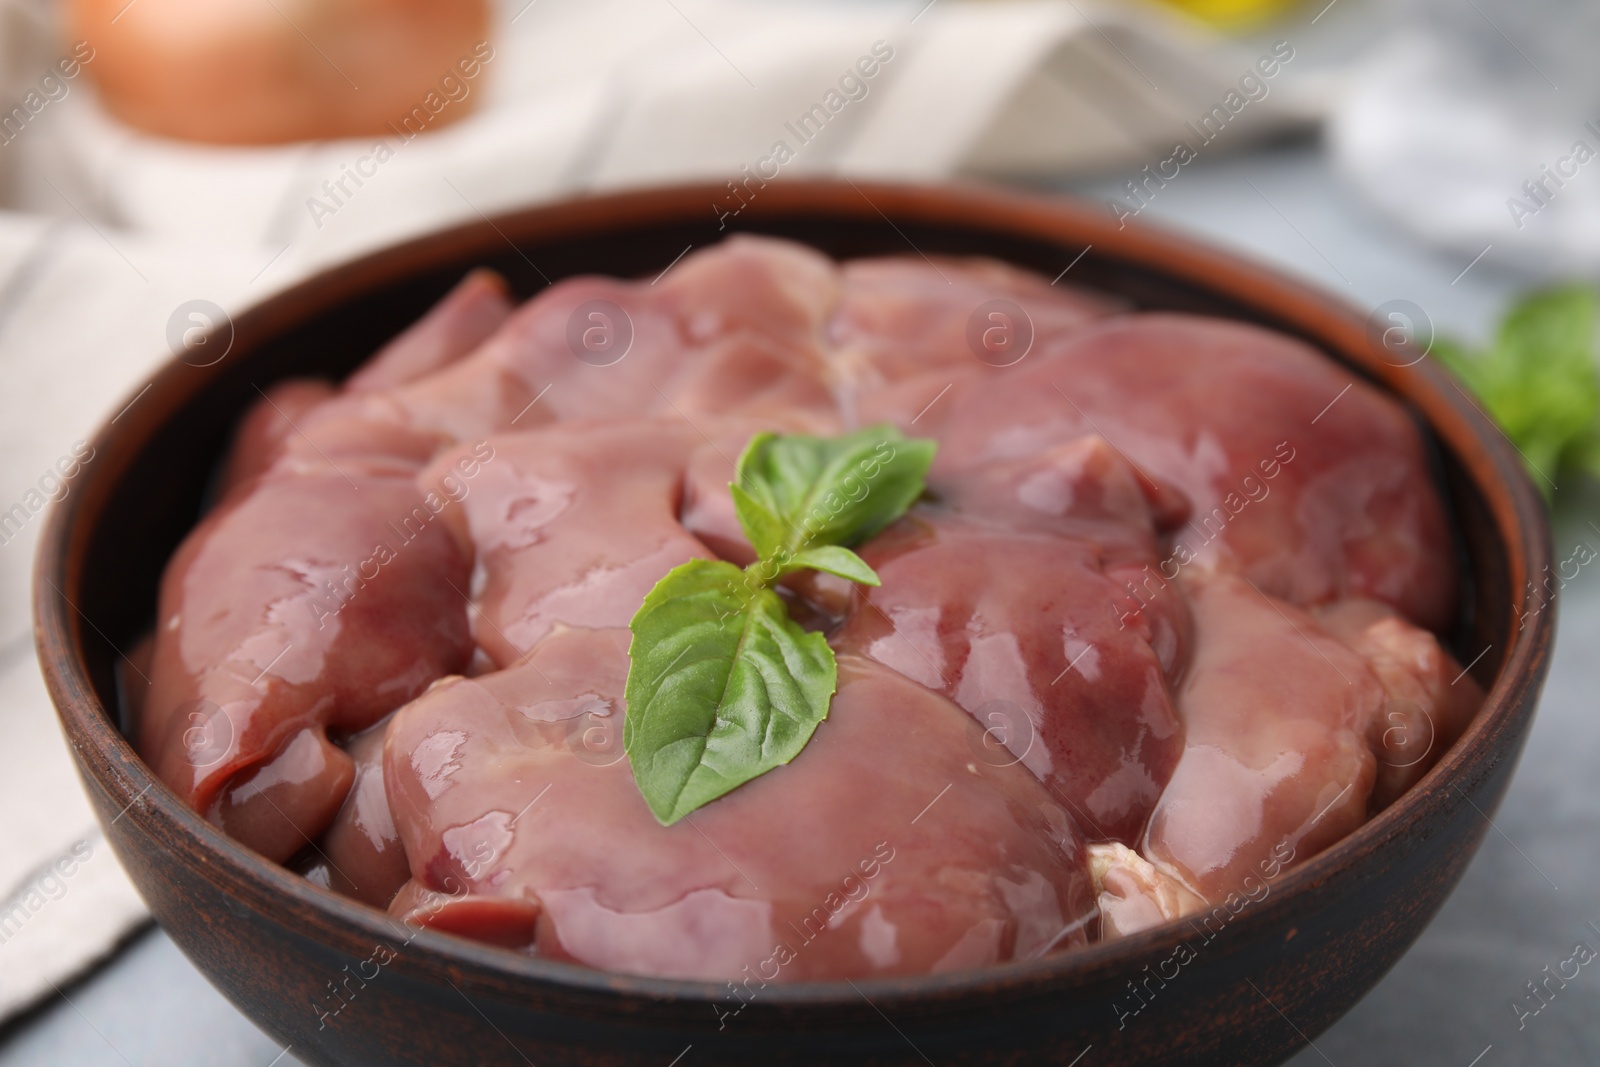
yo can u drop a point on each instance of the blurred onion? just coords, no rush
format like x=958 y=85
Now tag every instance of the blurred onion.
x=268 y=71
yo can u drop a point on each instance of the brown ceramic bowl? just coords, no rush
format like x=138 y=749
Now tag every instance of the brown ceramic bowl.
x=1280 y=972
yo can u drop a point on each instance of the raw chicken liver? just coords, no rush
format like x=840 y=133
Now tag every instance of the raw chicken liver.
x=1159 y=629
x=1023 y=630
x=884 y=848
x=1300 y=475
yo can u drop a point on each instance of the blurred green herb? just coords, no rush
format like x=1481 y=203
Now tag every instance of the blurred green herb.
x=1539 y=381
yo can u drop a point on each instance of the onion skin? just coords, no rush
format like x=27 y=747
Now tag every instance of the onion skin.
x=255 y=72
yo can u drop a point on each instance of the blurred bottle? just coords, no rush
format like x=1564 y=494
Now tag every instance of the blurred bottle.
x=1233 y=14
x=1476 y=125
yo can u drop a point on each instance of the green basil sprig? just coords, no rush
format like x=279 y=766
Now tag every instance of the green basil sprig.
x=1538 y=379
x=723 y=685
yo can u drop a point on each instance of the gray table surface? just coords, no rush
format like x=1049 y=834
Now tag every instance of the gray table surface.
x=1523 y=903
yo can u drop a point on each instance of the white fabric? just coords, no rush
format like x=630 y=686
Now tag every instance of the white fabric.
x=611 y=93
x=81 y=327
x=111 y=230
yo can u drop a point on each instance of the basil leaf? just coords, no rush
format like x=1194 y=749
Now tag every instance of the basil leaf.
x=766 y=532
x=834 y=560
x=795 y=491
x=723 y=686
x=1539 y=381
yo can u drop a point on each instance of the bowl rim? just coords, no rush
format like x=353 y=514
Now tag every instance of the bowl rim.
x=1514 y=504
